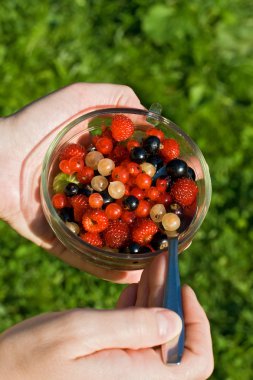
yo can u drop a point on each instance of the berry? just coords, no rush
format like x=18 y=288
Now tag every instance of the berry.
x=170 y=149
x=104 y=145
x=72 y=150
x=165 y=199
x=71 y=189
x=155 y=132
x=138 y=193
x=92 y=238
x=116 y=189
x=85 y=175
x=76 y=164
x=143 y=181
x=134 y=169
x=176 y=209
x=134 y=248
x=152 y=144
x=99 y=183
x=191 y=173
x=177 y=168
x=132 y=144
x=106 y=166
x=148 y=168
x=92 y=159
x=131 y=203
x=64 y=167
x=117 y=234
x=156 y=161
x=171 y=222
x=157 y=212
x=113 y=211
x=128 y=217
x=80 y=204
x=120 y=174
x=159 y=241
x=143 y=209
x=119 y=154
x=73 y=227
x=184 y=191
x=67 y=214
x=87 y=190
x=143 y=231
x=161 y=184
x=96 y=200
x=152 y=193
x=122 y=127
x=138 y=155
x=59 y=200
x=107 y=199
x=95 y=221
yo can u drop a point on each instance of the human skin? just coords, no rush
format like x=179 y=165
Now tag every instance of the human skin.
x=111 y=344
x=25 y=138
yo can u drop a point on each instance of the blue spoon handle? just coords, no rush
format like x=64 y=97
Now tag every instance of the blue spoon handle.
x=173 y=351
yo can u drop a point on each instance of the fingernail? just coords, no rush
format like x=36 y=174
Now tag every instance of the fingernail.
x=169 y=324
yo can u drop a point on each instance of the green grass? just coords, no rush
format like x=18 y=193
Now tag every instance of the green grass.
x=195 y=58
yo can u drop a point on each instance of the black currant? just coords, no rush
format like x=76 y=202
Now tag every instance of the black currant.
x=152 y=144
x=71 y=189
x=155 y=160
x=67 y=214
x=131 y=202
x=106 y=198
x=138 y=155
x=176 y=209
x=134 y=248
x=191 y=173
x=177 y=168
x=159 y=241
x=87 y=190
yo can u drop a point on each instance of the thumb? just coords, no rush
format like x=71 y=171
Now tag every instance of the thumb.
x=132 y=328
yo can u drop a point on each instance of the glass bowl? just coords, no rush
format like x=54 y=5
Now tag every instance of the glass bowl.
x=79 y=130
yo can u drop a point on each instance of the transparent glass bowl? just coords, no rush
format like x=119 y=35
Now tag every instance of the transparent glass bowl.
x=79 y=131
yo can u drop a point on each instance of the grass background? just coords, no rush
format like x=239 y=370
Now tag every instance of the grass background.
x=195 y=58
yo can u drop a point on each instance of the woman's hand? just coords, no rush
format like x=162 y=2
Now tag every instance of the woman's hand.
x=25 y=138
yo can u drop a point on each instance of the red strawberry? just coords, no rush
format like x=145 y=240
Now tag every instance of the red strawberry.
x=72 y=150
x=95 y=221
x=170 y=149
x=184 y=191
x=117 y=234
x=80 y=204
x=122 y=127
x=92 y=238
x=143 y=231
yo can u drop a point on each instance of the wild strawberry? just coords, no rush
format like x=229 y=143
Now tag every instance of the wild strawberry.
x=184 y=191
x=143 y=231
x=170 y=149
x=122 y=127
x=117 y=234
x=80 y=205
x=92 y=238
x=72 y=150
x=95 y=221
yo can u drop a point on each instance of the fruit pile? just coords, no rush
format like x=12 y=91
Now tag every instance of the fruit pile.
x=128 y=191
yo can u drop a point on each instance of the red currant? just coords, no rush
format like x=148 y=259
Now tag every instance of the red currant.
x=132 y=144
x=155 y=132
x=96 y=200
x=104 y=145
x=64 y=167
x=161 y=184
x=128 y=217
x=113 y=211
x=165 y=199
x=143 y=181
x=76 y=164
x=138 y=193
x=59 y=200
x=85 y=175
x=153 y=193
x=134 y=169
x=143 y=209
x=120 y=174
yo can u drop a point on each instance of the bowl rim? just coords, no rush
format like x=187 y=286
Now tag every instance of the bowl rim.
x=185 y=237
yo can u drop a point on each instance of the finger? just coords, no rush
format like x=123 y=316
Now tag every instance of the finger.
x=127 y=297
x=88 y=331
x=157 y=274
x=143 y=288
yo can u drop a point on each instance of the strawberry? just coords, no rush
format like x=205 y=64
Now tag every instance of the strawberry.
x=143 y=231
x=92 y=238
x=72 y=150
x=80 y=204
x=117 y=234
x=170 y=149
x=122 y=127
x=184 y=191
x=95 y=221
